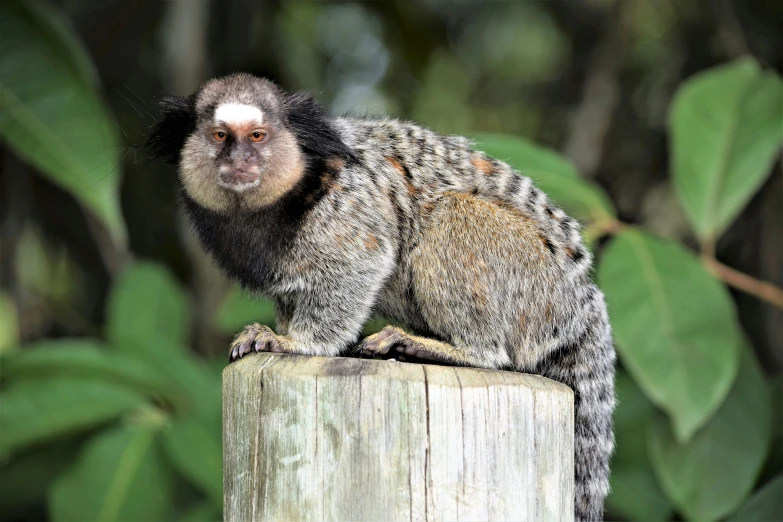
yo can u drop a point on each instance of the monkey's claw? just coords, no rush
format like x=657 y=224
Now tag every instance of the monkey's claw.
x=255 y=338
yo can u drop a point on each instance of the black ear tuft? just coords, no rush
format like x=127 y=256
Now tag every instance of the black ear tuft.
x=313 y=128
x=167 y=137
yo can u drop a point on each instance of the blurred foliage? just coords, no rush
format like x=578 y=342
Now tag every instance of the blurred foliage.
x=721 y=158
x=120 y=475
x=148 y=404
x=56 y=120
x=635 y=490
x=656 y=286
x=106 y=413
x=710 y=475
x=765 y=505
x=9 y=329
x=240 y=309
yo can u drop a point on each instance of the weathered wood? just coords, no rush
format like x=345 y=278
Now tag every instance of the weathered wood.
x=314 y=438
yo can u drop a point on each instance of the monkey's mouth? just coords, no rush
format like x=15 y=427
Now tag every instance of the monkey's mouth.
x=239 y=180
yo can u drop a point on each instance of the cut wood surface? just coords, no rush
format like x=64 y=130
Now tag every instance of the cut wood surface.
x=331 y=438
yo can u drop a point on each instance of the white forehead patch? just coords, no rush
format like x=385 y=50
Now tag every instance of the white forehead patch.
x=238 y=113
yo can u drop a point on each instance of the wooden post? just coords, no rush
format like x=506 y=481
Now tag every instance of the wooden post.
x=317 y=438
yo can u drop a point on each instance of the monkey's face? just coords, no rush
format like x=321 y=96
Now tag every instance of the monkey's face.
x=239 y=152
x=238 y=139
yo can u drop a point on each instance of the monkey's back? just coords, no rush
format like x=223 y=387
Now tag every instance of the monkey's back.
x=415 y=166
x=484 y=259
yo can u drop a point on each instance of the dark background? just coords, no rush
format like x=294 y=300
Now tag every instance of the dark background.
x=591 y=79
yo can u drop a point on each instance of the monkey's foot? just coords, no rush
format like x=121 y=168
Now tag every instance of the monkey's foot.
x=256 y=338
x=395 y=341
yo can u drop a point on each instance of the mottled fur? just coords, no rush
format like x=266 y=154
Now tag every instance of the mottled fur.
x=386 y=216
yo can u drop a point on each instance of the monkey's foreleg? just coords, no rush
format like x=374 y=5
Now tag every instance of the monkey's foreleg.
x=321 y=320
x=394 y=340
x=258 y=338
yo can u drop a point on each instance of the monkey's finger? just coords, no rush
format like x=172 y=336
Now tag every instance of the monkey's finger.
x=274 y=346
x=245 y=348
x=408 y=349
x=374 y=346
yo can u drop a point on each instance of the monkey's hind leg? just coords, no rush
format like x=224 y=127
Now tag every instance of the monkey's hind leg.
x=395 y=340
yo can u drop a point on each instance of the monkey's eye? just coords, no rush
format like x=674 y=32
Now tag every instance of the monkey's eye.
x=257 y=136
x=219 y=136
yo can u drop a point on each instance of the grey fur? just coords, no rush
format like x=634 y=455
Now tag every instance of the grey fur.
x=424 y=229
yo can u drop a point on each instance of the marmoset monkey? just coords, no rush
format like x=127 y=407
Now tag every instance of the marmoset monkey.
x=337 y=218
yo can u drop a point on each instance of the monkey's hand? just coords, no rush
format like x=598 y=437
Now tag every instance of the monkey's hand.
x=258 y=338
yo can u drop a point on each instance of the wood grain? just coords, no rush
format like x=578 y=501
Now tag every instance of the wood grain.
x=316 y=438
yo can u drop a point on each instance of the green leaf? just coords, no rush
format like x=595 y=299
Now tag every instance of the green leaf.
x=188 y=436
x=725 y=133
x=712 y=474
x=239 y=309
x=551 y=173
x=202 y=512
x=86 y=359
x=635 y=494
x=197 y=389
x=765 y=506
x=631 y=417
x=774 y=464
x=34 y=413
x=198 y=429
x=68 y=49
x=528 y=157
x=674 y=324
x=50 y=113
x=9 y=324
x=146 y=304
x=147 y=317
x=120 y=476
x=25 y=479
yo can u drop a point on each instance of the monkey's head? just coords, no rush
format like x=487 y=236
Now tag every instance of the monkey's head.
x=239 y=141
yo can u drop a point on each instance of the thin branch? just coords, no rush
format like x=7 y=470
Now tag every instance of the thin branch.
x=708 y=247
x=605 y=227
x=741 y=281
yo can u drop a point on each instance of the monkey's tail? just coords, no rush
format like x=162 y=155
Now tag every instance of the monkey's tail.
x=587 y=366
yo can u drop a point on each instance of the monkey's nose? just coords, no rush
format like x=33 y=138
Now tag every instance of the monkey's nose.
x=240 y=155
x=244 y=166
x=238 y=175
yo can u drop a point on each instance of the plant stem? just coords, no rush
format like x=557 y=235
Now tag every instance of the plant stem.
x=708 y=247
x=741 y=281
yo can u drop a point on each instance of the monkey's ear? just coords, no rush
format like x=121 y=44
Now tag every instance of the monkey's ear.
x=167 y=137
x=312 y=127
